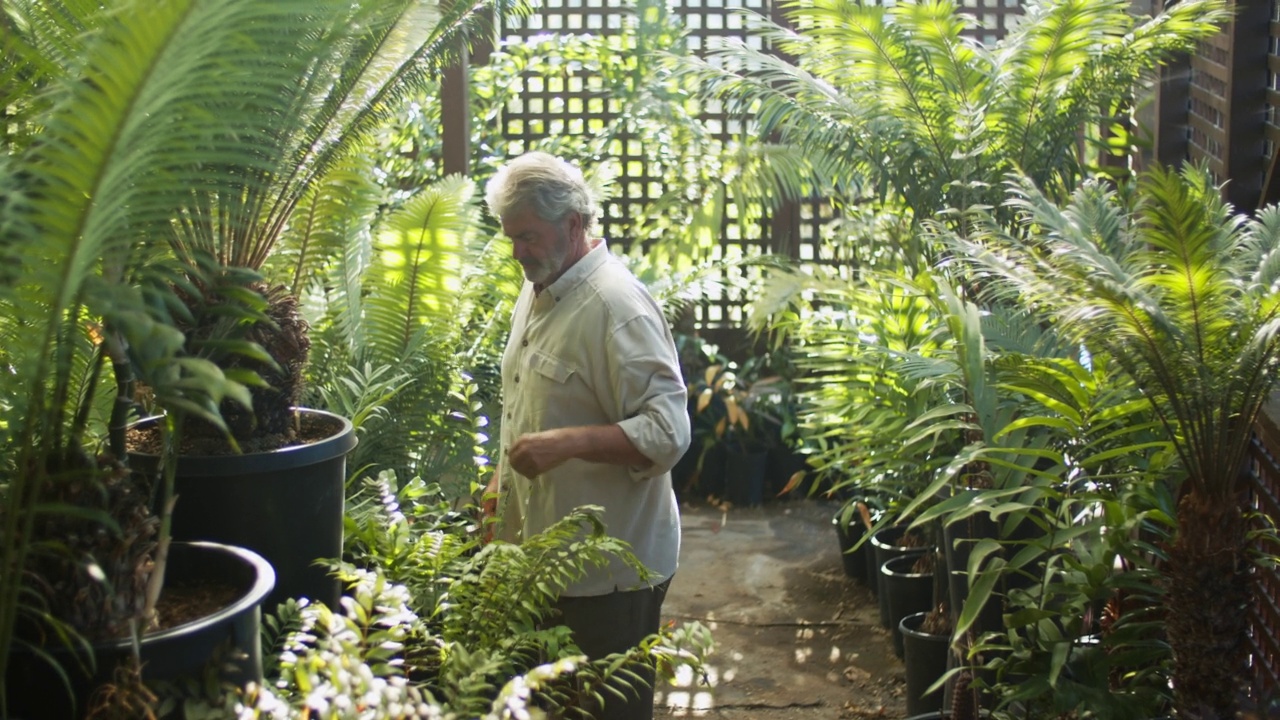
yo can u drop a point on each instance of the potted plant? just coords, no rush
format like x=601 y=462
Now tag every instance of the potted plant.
x=926 y=643
x=92 y=172
x=1179 y=293
x=273 y=478
x=732 y=431
x=908 y=582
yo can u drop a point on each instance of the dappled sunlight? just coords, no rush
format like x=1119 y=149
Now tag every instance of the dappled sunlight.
x=691 y=694
x=695 y=693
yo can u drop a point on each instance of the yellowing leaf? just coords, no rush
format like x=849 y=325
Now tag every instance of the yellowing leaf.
x=720 y=427
x=792 y=483
x=732 y=412
x=704 y=399
x=711 y=373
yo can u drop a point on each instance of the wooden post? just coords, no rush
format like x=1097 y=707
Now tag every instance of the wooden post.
x=455 y=117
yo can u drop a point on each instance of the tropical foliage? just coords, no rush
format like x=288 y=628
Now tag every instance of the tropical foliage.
x=153 y=153
x=899 y=104
x=407 y=325
x=1181 y=294
x=434 y=628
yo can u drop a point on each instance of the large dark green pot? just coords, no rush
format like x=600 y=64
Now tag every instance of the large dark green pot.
x=230 y=636
x=285 y=504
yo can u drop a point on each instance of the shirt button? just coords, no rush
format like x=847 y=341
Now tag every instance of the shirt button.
x=524 y=343
x=517 y=378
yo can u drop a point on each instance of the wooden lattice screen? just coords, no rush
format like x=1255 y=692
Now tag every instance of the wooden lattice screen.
x=574 y=104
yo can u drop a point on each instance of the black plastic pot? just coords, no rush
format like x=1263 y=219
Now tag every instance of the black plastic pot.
x=744 y=475
x=230 y=636
x=284 y=504
x=848 y=534
x=958 y=541
x=711 y=476
x=906 y=592
x=925 y=658
x=782 y=463
x=885 y=547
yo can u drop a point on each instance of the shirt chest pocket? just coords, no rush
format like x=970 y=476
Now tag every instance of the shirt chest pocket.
x=561 y=393
x=546 y=368
x=553 y=390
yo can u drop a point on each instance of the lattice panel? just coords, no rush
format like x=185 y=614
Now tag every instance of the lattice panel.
x=995 y=17
x=574 y=104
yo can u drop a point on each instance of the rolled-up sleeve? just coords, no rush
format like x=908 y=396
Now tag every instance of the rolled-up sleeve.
x=651 y=392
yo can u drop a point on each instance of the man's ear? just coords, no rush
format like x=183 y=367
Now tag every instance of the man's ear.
x=576 y=226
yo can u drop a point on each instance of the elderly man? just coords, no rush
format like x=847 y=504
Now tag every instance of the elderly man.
x=593 y=405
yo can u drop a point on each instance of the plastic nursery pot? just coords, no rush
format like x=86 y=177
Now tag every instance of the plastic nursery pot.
x=744 y=475
x=906 y=592
x=924 y=656
x=848 y=533
x=284 y=504
x=885 y=547
x=229 y=637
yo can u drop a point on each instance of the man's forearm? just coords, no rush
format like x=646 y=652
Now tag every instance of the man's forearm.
x=536 y=453
x=604 y=444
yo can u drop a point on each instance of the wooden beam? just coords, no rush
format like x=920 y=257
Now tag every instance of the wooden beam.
x=455 y=117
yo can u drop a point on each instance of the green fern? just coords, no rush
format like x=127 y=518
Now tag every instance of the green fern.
x=409 y=651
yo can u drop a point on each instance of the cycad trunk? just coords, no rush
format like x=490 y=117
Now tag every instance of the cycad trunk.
x=1208 y=604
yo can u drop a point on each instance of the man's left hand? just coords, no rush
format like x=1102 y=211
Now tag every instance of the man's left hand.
x=535 y=453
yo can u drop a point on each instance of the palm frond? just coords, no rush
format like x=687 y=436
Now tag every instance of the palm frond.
x=1162 y=288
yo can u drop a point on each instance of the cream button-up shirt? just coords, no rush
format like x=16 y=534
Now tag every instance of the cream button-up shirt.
x=593 y=348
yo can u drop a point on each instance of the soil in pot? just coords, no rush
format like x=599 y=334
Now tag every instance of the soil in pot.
x=230 y=635
x=284 y=504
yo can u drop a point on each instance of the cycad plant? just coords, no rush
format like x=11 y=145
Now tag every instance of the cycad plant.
x=896 y=102
x=354 y=63
x=96 y=162
x=1182 y=295
x=153 y=150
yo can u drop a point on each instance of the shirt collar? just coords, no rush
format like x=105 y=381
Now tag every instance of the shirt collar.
x=576 y=274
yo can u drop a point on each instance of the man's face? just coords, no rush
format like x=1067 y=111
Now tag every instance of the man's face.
x=540 y=246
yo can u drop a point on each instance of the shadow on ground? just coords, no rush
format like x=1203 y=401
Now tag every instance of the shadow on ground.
x=795 y=638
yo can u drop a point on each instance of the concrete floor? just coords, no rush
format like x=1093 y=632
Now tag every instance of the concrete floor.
x=795 y=638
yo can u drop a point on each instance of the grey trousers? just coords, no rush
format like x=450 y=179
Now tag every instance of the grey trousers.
x=613 y=623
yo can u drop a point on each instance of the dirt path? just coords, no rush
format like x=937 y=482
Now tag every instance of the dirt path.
x=795 y=638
